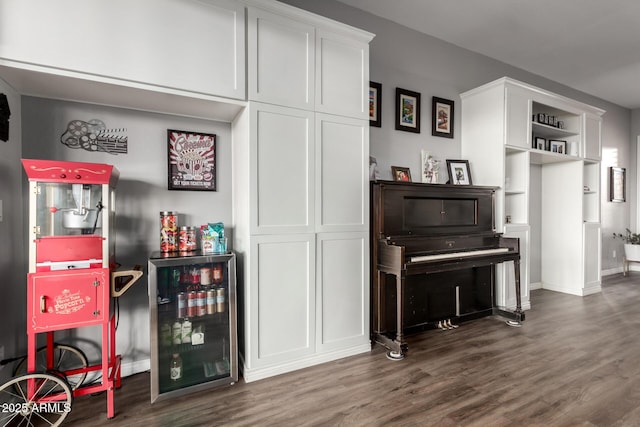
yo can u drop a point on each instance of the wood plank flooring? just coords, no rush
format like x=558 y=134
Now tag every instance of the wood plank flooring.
x=574 y=362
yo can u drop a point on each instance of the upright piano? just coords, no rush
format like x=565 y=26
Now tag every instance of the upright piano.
x=433 y=254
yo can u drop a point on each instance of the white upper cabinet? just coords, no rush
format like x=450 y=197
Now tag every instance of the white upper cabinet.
x=189 y=45
x=280 y=57
x=518 y=117
x=592 y=139
x=342 y=75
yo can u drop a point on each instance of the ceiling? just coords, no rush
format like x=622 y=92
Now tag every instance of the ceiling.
x=589 y=45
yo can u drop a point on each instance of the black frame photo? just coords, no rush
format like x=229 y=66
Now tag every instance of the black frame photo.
x=617 y=185
x=401 y=173
x=459 y=172
x=442 y=120
x=375 y=101
x=407 y=110
x=191 y=160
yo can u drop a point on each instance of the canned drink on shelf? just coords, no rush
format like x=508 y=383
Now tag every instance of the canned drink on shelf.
x=186 y=332
x=201 y=303
x=176 y=332
x=168 y=231
x=182 y=305
x=187 y=239
x=217 y=273
x=220 y=300
x=211 y=301
x=192 y=307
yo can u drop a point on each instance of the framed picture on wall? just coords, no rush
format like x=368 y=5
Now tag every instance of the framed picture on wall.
x=617 y=184
x=459 y=172
x=442 y=120
x=375 y=97
x=407 y=110
x=191 y=160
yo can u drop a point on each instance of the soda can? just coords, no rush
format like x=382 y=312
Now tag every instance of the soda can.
x=182 y=305
x=192 y=307
x=211 y=301
x=201 y=303
x=220 y=300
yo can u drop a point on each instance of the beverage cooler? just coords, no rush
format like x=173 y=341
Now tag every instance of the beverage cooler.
x=192 y=306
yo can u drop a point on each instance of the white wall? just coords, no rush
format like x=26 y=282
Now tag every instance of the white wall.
x=405 y=58
x=140 y=195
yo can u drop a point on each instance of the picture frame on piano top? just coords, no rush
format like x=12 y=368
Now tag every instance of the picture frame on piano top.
x=401 y=173
x=459 y=172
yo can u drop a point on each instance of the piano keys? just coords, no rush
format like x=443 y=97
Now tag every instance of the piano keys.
x=434 y=249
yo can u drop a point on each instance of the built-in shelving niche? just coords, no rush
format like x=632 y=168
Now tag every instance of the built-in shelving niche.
x=552 y=124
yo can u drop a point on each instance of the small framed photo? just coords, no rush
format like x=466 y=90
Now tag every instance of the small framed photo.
x=442 y=120
x=459 y=172
x=407 y=110
x=375 y=97
x=539 y=143
x=617 y=185
x=401 y=174
x=559 y=147
x=192 y=160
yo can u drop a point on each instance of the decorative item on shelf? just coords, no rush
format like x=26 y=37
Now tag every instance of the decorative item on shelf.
x=373 y=169
x=508 y=219
x=407 y=110
x=375 y=101
x=556 y=146
x=617 y=184
x=560 y=124
x=539 y=143
x=459 y=172
x=401 y=173
x=572 y=148
x=213 y=239
x=442 y=120
x=430 y=168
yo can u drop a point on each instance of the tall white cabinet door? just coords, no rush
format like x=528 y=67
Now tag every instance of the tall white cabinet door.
x=282 y=186
x=592 y=258
x=282 y=299
x=518 y=111
x=342 y=174
x=592 y=140
x=191 y=45
x=281 y=52
x=342 y=290
x=342 y=75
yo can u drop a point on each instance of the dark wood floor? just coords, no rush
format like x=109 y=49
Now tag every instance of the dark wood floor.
x=574 y=362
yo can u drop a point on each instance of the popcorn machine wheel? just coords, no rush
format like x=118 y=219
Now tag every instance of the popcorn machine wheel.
x=71 y=283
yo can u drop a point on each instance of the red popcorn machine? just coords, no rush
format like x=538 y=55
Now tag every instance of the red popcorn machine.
x=72 y=280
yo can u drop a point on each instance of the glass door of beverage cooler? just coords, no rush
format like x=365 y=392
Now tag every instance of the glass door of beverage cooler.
x=192 y=305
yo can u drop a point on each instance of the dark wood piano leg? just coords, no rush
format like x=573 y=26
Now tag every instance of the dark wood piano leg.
x=518 y=314
x=396 y=352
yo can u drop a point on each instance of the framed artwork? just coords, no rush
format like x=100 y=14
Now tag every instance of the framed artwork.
x=617 y=184
x=401 y=174
x=459 y=172
x=442 y=121
x=407 y=110
x=192 y=160
x=430 y=167
x=559 y=147
x=539 y=143
x=375 y=97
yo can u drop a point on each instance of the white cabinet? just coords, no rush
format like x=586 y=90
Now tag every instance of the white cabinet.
x=342 y=75
x=194 y=46
x=282 y=158
x=560 y=137
x=281 y=56
x=300 y=179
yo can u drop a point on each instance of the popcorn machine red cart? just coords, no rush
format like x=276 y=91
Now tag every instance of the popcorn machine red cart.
x=72 y=275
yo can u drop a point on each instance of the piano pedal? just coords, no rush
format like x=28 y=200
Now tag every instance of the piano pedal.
x=450 y=325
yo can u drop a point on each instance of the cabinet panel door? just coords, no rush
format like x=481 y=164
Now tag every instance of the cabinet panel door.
x=280 y=60
x=189 y=45
x=592 y=140
x=518 y=118
x=592 y=256
x=282 y=302
x=342 y=173
x=282 y=150
x=342 y=75
x=343 y=290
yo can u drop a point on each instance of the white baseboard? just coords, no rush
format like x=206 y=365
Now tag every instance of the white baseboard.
x=131 y=368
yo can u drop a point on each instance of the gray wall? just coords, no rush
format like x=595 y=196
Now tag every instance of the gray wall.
x=401 y=57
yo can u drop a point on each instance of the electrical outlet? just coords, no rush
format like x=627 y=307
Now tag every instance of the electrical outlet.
x=614 y=253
